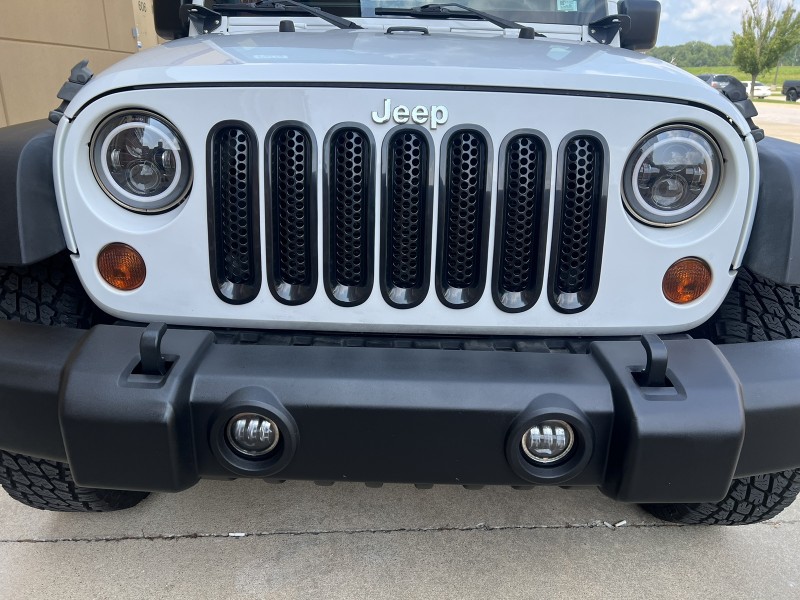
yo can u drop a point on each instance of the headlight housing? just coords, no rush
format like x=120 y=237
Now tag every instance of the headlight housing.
x=141 y=161
x=672 y=176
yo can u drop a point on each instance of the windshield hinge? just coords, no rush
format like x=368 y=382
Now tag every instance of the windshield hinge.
x=737 y=94
x=204 y=19
x=606 y=29
x=78 y=77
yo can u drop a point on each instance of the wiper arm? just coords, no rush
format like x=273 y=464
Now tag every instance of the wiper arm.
x=283 y=6
x=441 y=11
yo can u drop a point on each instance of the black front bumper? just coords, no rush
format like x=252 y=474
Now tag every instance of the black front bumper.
x=399 y=415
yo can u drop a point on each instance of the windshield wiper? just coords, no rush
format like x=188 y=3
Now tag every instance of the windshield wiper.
x=283 y=7
x=441 y=11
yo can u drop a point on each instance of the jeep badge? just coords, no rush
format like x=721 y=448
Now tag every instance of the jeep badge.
x=420 y=115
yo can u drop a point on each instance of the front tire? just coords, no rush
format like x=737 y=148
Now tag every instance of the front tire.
x=749 y=500
x=791 y=95
x=756 y=309
x=48 y=485
x=49 y=293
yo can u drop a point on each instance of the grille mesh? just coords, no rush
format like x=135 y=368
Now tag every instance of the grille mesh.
x=292 y=194
x=466 y=181
x=233 y=201
x=349 y=204
x=407 y=188
x=463 y=218
x=579 y=210
x=524 y=194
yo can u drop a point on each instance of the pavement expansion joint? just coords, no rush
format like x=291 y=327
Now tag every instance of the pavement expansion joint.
x=480 y=527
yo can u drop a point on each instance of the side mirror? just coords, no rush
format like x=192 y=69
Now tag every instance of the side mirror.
x=166 y=14
x=645 y=17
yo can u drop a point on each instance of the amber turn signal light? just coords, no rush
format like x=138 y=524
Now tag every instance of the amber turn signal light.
x=686 y=280
x=121 y=267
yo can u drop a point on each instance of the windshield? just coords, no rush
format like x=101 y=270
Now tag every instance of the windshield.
x=565 y=12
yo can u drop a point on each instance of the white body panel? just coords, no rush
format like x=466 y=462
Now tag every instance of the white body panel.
x=482 y=59
x=175 y=245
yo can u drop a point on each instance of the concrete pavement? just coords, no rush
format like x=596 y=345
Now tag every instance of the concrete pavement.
x=247 y=539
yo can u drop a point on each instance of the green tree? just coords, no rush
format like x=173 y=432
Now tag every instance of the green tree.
x=695 y=54
x=767 y=34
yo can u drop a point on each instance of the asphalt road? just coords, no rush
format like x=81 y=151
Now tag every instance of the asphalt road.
x=247 y=539
x=779 y=119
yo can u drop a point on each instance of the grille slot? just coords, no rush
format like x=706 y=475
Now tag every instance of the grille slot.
x=518 y=251
x=406 y=213
x=350 y=216
x=464 y=219
x=233 y=212
x=292 y=205
x=578 y=242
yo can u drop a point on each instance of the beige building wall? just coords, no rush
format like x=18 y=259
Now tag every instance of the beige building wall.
x=41 y=40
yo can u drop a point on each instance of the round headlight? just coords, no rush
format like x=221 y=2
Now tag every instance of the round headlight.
x=672 y=176
x=141 y=162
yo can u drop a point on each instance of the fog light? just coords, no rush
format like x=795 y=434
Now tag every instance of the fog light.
x=548 y=442
x=686 y=280
x=121 y=266
x=252 y=435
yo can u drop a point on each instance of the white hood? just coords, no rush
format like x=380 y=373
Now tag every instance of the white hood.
x=376 y=59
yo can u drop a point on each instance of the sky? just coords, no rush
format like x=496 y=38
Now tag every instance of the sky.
x=710 y=21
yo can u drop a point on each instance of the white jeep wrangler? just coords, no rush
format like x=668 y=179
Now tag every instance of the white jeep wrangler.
x=367 y=240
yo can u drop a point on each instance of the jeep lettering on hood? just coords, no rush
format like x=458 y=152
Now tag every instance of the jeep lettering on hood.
x=434 y=116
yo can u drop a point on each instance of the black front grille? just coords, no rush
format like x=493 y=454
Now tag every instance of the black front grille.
x=350 y=216
x=577 y=257
x=464 y=218
x=346 y=254
x=407 y=217
x=520 y=204
x=293 y=209
x=233 y=205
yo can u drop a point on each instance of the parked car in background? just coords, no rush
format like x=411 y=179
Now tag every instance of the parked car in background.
x=760 y=90
x=791 y=89
x=719 y=82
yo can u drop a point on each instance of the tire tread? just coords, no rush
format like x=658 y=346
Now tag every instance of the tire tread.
x=47 y=293
x=757 y=310
x=749 y=500
x=48 y=485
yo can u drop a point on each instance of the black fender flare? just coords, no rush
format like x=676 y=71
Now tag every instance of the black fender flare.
x=30 y=226
x=774 y=247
